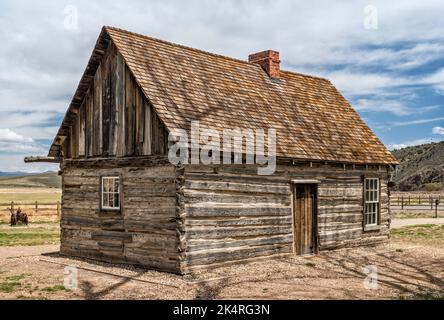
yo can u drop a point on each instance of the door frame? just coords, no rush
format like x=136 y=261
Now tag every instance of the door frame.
x=315 y=235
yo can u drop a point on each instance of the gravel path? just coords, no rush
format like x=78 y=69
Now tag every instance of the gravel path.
x=403 y=270
x=399 y=223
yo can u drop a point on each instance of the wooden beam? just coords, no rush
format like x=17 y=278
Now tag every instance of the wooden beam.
x=42 y=159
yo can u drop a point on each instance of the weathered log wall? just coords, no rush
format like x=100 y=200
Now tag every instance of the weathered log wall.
x=232 y=214
x=181 y=218
x=143 y=232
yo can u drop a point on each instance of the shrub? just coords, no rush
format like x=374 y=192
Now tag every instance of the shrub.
x=433 y=186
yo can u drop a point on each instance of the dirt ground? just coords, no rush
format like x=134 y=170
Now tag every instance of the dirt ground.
x=403 y=271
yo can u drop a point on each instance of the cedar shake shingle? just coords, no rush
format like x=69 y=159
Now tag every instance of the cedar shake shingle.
x=313 y=120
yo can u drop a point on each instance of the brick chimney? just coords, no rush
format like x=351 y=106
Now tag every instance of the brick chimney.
x=268 y=60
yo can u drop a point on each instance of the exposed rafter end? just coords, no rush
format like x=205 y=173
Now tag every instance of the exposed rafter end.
x=42 y=159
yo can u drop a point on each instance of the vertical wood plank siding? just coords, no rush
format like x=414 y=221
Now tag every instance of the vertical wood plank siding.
x=115 y=118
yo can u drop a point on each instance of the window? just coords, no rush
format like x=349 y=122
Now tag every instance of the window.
x=371 y=201
x=111 y=193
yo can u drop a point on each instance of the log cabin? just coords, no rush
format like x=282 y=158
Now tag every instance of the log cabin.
x=123 y=201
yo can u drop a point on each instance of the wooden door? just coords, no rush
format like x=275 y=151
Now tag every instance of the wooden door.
x=305 y=225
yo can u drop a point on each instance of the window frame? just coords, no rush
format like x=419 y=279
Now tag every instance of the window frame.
x=376 y=190
x=102 y=192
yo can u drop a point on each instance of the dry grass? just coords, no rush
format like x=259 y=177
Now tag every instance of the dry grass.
x=427 y=234
x=46 y=213
x=30 y=195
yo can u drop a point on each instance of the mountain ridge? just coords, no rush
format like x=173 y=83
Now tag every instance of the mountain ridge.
x=420 y=166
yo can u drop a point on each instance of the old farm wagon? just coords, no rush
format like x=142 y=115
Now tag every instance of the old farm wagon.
x=124 y=201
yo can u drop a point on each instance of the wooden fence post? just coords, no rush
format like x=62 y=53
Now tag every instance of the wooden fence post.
x=36 y=207
x=12 y=205
x=58 y=209
x=402 y=203
x=436 y=208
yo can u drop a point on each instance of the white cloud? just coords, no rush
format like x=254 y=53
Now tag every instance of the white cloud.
x=409 y=143
x=21 y=148
x=7 y=135
x=438 y=130
x=12 y=142
x=42 y=62
x=361 y=83
x=26 y=119
x=382 y=105
x=16 y=163
x=436 y=80
x=413 y=122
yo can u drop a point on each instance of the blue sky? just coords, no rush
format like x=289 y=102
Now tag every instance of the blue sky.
x=386 y=57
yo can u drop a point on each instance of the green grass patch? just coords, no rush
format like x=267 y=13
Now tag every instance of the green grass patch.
x=4 y=224
x=55 y=288
x=24 y=236
x=427 y=234
x=10 y=284
x=22 y=297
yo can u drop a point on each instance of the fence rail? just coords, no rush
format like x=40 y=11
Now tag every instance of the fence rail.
x=418 y=203
x=34 y=208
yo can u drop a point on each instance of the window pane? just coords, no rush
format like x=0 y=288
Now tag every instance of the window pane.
x=110 y=199
x=116 y=200
x=110 y=192
x=371 y=201
x=105 y=199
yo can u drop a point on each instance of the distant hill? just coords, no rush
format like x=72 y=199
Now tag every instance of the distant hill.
x=12 y=174
x=33 y=180
x=422 y=167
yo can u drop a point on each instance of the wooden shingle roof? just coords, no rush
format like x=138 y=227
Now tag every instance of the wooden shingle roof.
x=313 y=120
